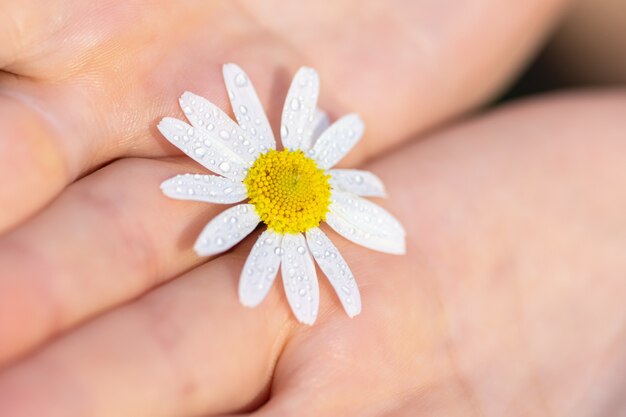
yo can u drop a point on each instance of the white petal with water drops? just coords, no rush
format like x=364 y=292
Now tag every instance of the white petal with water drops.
x=320 y=124
x=365 y=223
x=260 y=269
x=336 y=270
x=203 y=148
x=299 y=278
x=210 y=119
x=206 y=188
x=227 y=229
x=299 y=110
x=337 y=140
x=358 y=182
x=248 y=108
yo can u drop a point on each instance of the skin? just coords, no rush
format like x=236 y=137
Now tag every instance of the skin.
x=508 y=301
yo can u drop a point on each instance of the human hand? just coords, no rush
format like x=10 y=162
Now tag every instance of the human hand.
x=509 y=301
x=112 y=195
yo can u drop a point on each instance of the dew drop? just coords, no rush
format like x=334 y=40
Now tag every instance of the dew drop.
x=358 y=179
x=199 y=151
x=224 y=166
x=224 y=134
x=302 y=292
x=294 y=104
x=278 y=251
x=219 y=241
x=301 y=250
x=228 y=190
x=240 y=80
x=284 y=131
x=243 y=109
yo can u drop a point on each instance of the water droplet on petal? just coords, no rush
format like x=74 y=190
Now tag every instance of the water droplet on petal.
x=284 y=131
x=224 y=134
x=301 y=250
x=240 y=80
x=224 y=166
x=243 y=109
x=295 y=104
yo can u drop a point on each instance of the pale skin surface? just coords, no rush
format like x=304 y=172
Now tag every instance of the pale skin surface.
x=508 y=302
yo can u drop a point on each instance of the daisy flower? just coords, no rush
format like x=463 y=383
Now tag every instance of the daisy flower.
x=291 y=190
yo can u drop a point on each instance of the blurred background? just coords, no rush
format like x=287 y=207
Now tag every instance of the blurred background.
x=593 y=29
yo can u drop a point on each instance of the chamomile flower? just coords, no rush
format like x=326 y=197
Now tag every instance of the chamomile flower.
x=291 y=190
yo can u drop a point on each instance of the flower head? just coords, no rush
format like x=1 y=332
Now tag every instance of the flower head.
x=291 y=191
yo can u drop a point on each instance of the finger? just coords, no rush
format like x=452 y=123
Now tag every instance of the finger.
x=23 y=24
x=93 y=125
x=188 y=347
x=30 y=163
x=108 y=238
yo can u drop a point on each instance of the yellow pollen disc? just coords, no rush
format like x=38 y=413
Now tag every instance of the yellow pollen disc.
x=289 y=192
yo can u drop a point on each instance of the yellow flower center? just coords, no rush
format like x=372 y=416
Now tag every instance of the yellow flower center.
x=289 y=192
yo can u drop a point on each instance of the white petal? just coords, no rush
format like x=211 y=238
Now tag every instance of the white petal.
x=207 y=188
x=217 y=125
x=337 y=140
x=227 y=229
x=320 y=124
x=247 y=107
x=336 y=269
x=260 y=269
x=299 y=278
x=204 y=149
x=357 y=182
x=365 y=223
x=298 y=116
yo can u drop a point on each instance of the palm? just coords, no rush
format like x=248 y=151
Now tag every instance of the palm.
x=111 y=236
